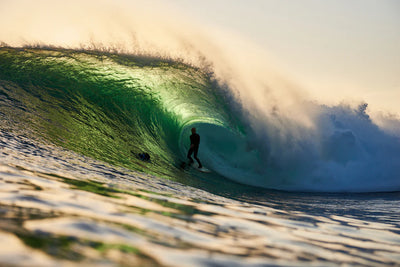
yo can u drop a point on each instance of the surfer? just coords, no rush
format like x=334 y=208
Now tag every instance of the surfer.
x=194 y=147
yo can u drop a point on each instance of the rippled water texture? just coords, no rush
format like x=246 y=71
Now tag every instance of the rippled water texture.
x=60 y=208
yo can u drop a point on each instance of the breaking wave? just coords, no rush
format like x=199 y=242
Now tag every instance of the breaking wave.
x=112 y=106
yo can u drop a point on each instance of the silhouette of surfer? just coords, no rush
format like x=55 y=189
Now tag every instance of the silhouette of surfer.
x=194 y=147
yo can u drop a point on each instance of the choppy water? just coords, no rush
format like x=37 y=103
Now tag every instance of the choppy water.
x=61 y=208
x=72 y=192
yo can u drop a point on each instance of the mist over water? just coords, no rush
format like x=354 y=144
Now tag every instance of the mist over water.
x=260 y=130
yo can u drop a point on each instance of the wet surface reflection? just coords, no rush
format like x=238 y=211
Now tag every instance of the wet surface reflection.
x=62 y=209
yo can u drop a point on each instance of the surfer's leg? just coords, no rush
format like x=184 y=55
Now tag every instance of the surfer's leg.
x=195 y=156
x=189 y=156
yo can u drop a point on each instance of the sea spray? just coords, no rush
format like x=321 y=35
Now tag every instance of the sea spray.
x=111 y=107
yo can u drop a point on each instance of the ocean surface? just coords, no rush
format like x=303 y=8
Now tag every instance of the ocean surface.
x=280 y=193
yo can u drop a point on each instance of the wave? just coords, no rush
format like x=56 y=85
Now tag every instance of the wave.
x=112 y=106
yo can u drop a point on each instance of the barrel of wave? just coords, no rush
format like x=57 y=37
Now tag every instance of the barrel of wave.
x=223 y=150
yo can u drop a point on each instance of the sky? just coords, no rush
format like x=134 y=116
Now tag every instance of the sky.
x=337 y=49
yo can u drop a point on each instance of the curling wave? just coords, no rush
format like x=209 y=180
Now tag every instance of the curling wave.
x=112 y=106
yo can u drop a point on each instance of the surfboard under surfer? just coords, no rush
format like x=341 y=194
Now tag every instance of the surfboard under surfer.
x=194 y=147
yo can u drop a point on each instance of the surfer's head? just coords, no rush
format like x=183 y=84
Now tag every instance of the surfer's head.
x=193 y=130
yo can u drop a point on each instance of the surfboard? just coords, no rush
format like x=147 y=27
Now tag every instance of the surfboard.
x=202 y=169
x=185 y=166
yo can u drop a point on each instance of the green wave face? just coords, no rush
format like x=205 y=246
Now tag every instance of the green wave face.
x=111 y=107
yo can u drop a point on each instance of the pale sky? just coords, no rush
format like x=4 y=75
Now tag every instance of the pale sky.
x=336 y=48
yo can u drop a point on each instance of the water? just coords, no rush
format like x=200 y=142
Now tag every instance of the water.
x=74 y=192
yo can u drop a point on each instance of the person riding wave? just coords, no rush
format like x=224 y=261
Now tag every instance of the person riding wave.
x=194 y=147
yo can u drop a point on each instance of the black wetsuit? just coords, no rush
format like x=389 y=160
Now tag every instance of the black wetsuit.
x=195 y=141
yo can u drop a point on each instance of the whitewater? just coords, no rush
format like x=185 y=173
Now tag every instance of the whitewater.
x=294 y=182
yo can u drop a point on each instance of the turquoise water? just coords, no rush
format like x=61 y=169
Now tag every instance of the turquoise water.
x=111 y=107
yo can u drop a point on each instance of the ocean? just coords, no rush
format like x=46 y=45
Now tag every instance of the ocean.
x=282 y=191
